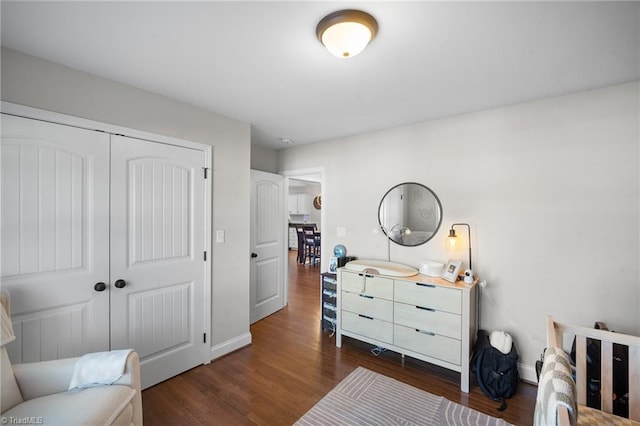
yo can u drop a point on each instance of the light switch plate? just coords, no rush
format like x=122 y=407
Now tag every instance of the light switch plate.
x=220 y=236
x=341 y=231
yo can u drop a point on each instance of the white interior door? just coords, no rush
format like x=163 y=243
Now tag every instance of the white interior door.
x=267 y=244
x=157 y=255
x=55 y=238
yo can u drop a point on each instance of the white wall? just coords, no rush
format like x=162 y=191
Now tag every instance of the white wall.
x=313 y=190
x=264 y=159
x=550 y=189
x=41 y=84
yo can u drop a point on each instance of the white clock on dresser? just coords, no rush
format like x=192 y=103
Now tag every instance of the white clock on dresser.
x=423 y=317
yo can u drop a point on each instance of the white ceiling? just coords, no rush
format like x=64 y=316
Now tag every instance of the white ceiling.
x=261 y=63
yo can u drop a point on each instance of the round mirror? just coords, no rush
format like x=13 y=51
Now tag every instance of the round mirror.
x=410 y=214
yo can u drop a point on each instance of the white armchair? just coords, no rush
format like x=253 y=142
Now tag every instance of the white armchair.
x=37 y=393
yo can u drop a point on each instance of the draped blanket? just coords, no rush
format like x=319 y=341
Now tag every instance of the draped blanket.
x=555 y=388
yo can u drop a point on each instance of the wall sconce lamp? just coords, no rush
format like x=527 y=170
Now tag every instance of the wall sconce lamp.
x=453 y=237
x=346 y=33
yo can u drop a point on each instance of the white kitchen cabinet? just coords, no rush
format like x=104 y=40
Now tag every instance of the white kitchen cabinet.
x=423 y=317
x=293 y=238
x=299 y=204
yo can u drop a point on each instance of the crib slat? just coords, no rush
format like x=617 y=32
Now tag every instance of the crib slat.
x=553 y=334
x=606 y=376
x=563 y=416
x=634 y=382
x=581 y=369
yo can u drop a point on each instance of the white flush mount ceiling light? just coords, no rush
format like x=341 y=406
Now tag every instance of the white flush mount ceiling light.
x=346 y=33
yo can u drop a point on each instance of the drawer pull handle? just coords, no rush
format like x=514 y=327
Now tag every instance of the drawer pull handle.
x=425 y=332
x=425 y=309
x=364 y=316
x=366 y=296
x=366 y=275
x=364 y=283
x=426 y=285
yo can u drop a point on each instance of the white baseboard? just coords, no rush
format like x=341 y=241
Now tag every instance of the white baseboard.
x=230 y=346
x=527 y=374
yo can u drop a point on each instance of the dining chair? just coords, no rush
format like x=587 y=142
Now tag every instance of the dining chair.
x=312 y=244
x=301 y=248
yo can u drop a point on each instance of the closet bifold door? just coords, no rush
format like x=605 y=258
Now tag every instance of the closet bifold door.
x=55 y=238
x=157 y=241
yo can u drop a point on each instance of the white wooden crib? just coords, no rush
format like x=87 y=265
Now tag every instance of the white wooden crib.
x=586 y=415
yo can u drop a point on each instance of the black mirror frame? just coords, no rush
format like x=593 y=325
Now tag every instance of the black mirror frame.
x=439 y=206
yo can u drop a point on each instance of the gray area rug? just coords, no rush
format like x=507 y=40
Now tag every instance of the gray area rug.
x=368 y=398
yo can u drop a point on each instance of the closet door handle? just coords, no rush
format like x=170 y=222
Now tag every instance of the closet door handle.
x=100 y=287
x=120 y=283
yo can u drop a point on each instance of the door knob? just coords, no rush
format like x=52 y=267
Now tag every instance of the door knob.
x=120 y=283
x=100 y=287
x=253 y=255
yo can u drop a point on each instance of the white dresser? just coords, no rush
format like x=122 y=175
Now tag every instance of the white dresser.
x=426 y=318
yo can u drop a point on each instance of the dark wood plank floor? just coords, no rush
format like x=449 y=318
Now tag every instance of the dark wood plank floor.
x=291 y=365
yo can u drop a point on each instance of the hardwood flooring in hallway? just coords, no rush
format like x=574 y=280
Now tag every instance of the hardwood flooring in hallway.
x=291 y=365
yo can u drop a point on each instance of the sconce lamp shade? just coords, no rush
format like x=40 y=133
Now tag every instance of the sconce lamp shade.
x=453 y=237
x=346 y=33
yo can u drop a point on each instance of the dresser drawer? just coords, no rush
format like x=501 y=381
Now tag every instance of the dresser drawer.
x=439 y=322
x=372 y=285
x=368 y=305
x=429 y=296
x=433 y=345
x=367 y=326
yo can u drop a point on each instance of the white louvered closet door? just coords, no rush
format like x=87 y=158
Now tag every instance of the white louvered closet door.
x=55 y=238
x=157 y=255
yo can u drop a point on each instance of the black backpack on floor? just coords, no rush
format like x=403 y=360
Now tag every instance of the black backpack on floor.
x=496 y=373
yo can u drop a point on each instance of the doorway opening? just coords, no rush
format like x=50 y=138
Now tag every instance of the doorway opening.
x=304 y=197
